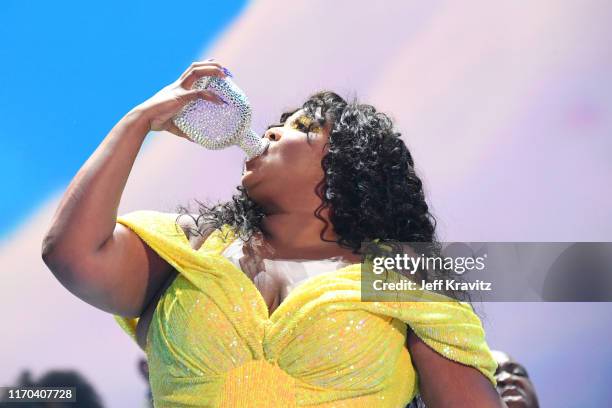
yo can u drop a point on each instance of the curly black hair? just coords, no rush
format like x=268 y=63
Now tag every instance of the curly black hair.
x=370 y=185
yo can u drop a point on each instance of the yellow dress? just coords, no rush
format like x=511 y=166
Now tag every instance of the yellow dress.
x=211 y=342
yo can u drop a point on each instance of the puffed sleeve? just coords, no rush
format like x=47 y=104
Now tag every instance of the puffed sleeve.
x=451 y=327
x=159 y=231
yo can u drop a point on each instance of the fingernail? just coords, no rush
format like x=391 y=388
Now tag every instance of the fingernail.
x=227 y=72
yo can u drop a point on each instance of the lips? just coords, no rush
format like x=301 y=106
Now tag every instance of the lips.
x=250 y=164
x=266 y=148
x=512 y=390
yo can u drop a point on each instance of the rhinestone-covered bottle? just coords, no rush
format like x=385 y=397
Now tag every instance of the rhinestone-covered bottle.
x=218 y=126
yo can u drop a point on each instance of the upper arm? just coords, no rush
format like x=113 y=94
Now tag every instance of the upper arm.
x=121 y=277
x=127 y=275
x=446 y=383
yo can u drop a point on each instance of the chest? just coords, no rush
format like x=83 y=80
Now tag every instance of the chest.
x=321 y=345
x=276 y=278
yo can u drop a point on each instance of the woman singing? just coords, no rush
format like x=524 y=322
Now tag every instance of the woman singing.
x=256 y=302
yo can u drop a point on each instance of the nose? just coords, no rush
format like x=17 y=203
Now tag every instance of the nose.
x=273 y=134
x=503 y=379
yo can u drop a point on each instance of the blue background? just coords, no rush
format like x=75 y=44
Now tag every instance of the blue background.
x=71 y=70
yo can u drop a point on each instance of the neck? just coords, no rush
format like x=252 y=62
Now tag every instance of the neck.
x=297 y=235
x=296 y=230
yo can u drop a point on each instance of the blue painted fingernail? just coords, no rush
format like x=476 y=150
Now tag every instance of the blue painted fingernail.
x=227 y=72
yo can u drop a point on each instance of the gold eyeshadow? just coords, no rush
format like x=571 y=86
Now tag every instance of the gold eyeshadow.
x=305 y=121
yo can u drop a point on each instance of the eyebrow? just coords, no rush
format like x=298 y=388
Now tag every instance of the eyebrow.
x=302 y=115
x=280 y=123
x=511 y=365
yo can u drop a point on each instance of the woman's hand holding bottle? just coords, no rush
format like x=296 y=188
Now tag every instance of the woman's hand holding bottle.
x=161 y=107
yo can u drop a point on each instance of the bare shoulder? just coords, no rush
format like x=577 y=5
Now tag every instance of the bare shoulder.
x=190 y=226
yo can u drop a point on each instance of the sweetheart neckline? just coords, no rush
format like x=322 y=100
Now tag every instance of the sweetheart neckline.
x=268 y=317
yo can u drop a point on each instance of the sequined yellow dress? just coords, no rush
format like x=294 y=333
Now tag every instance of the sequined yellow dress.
x=211 y=342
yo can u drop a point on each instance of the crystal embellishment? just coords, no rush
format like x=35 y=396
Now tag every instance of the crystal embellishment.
x=218 y=126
